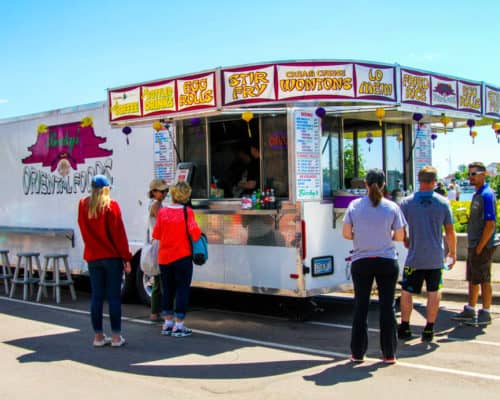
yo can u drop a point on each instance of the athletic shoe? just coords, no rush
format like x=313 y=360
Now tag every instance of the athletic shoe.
x=389 y=360
x=101 y=343
x=467 y=314
x=427 y=335
x=166 y=330
x=120 y=343
x=185 y=331
x=357 y=360
x=483 y=319
x=404 y=333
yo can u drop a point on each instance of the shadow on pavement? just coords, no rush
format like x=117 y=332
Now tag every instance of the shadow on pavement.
x=344 y=373
x=146 y=351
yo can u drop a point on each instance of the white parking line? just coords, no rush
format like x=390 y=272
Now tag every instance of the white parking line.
x=285 y=346
x=450 y=338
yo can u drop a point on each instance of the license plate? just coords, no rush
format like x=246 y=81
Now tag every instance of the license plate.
x=322 y=266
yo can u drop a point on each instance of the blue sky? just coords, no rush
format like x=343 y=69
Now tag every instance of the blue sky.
x=60 y=53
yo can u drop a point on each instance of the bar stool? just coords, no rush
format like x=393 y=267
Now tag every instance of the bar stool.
x=56 y=282
x=28 y=279
x=6 y=275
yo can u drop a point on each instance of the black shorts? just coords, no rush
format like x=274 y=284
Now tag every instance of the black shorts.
x=479 y=265
x=413 y=279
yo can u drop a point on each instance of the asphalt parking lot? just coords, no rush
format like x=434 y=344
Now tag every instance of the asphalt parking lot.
x=242 y=347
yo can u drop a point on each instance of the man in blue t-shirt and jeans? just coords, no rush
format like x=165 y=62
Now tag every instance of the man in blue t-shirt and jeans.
x=426 y=213
x=481 y=245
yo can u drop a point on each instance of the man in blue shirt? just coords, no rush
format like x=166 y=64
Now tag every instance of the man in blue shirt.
x=481 y=245
x=426 y=213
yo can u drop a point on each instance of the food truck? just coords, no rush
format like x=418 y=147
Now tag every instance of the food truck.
x=315 y=127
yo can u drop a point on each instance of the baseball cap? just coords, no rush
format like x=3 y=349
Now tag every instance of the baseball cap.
x=158 y=184
x=375 y=176
x=100 y=181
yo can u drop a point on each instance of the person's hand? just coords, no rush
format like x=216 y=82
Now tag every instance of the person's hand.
x=479 y=250
x=451 y=259
x=406 y=242
x=127 y=267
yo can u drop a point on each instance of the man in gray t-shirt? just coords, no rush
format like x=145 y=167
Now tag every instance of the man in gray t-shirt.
x=426 y=213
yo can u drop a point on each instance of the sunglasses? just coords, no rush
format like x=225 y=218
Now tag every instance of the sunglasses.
x=476 y=173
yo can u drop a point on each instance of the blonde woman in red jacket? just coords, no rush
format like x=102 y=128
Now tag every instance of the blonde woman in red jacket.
x=107 y=254
x=175 y=258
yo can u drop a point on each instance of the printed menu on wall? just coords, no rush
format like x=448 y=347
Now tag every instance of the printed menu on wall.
x=164 y=155
x=308 y=155
x=423 y=152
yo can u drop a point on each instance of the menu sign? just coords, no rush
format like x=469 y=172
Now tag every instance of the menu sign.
x=423 y=152
x=415 y=88
x=375 y=82
x=196 y=92
x=469 y=97
x=313 y=81
x=308 y=155
x=159 y=98
x=124 y=104
x=248 y=85
x=492 y=101
x=164 y=155
x=444 y=92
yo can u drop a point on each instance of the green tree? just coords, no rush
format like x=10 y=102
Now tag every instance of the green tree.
x=349 y=163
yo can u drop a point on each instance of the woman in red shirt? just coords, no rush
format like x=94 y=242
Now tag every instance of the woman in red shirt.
x=107 y=254
x=175 y=258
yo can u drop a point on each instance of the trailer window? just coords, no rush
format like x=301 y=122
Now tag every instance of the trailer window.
x=394 y=156
x=330 y=155
x=274 y=151
x=195 y=150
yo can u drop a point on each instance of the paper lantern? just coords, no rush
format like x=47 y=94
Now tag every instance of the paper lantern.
x=496 y=128
x=433 y=138
x=157 y=126
x=380 y=113
x=470 y=124
x=473 y=135
x=445 y=121
x=399 y=139
x=369 y=140
x=247 y=116
x=127 y=130
x=320 y=112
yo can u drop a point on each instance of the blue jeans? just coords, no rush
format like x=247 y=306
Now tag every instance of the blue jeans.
x=385 y=271
x=105 y=281
x=176 y=280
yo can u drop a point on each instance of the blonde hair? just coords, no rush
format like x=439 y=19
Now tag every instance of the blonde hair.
x=99 y=201
x=180 y=192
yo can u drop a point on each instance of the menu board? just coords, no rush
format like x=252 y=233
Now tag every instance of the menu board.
x=423 y=152
x=308 y=155
x=164 y=155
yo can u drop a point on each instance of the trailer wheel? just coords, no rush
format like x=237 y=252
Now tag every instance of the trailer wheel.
x=128 y=280
x=144 y=285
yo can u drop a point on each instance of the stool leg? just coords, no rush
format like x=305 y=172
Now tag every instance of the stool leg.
x=6 y=272
x=58 y=280
x=16 y=275
x=27 y=276
x=41 y=284
x=69 y=278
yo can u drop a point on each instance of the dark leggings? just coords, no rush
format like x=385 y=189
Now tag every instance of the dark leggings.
x=176 y=280
x=385 y=272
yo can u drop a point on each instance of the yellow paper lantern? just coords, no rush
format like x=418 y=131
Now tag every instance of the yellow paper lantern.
x=380 y=113
x=247 y=116
x=42 y=128
x=87 y=121
x=496 y=126
x=157 y=126
x=445 y=121
x=473 y=135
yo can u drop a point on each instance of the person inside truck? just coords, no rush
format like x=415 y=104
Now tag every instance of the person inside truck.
x=250 y=178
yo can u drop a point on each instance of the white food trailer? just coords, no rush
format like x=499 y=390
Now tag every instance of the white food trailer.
x=319 y=126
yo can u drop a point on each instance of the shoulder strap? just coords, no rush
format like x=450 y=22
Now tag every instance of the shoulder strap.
x=187 y=230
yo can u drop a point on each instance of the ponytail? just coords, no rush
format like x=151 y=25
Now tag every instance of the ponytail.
x=375 y=194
